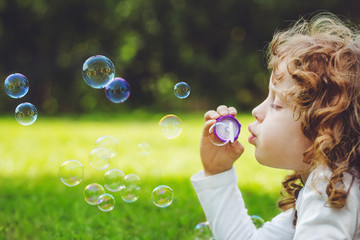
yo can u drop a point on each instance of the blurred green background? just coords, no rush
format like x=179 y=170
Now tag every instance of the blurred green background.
x=217 y=47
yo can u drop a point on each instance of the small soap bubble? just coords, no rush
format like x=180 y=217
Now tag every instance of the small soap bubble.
x=143 y=149
x=130 y=195
x=182 y=90
x=258 y=221
x=114 y=180
x=171 y=126
x=118 y=90
x=71 y=173
x=162 y=196
x=98 y=71
x=106 y=202
x=16 y=85
x=131 y=190
x=92 y=192
x=99 y=158
x=26 y=113
x=203 y=232
x=109 y=143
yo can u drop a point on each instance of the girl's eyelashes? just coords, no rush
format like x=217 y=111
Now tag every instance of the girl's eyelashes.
x=275 y=106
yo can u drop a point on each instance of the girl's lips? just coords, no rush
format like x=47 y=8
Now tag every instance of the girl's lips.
x=251 y=139
x=252 y=136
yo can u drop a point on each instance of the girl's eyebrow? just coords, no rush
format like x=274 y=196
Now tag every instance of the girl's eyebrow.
x=275 y=92
x=272 y=88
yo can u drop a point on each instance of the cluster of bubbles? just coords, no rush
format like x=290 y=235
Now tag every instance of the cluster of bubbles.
x=17 y=86
x=71 y=173
x=203 y=232
x=99 y=72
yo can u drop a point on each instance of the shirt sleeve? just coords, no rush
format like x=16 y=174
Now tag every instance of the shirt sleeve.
x=316 y=221
x=225 y=210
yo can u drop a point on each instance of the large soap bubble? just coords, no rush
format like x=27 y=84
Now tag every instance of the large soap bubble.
x=92 y=192
x=162 y=196
x=26 y=113
x=16 y=85
x=98 y=71
x=108 y=142
x=171 y=126
x=99 y=158
x=182 y=90
x=143 y=149
x=131 y=190
x=114 y=180
x=106 y=202
x=118 y=90
x=71 y=172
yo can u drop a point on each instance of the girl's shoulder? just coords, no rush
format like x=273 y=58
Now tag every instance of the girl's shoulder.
x=318 y=180
x=313 y=210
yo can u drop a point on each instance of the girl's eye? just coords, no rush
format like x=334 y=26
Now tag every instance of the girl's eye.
x=274 y=106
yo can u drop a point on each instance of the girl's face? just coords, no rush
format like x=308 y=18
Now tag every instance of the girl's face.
x=278 y=139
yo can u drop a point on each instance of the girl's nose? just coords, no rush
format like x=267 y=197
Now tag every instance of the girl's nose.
x=257 y=113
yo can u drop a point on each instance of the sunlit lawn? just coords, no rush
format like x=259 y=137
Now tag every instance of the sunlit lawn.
x=34 y=204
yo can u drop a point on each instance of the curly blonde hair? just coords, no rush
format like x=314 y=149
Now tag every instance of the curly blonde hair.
x=323 y=57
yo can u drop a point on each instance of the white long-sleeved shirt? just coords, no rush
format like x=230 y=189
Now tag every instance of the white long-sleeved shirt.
x=225 y=210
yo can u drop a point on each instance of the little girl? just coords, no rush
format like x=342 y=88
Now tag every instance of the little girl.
x=309 y=123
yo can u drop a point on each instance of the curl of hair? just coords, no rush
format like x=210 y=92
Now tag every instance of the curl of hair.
x=323 y=57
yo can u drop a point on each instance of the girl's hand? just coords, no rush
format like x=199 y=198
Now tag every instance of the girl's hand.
x=217 y=159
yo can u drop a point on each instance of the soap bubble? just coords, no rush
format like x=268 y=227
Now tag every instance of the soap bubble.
x=98 y=71
x=26 y=113
x=106 y=202
x=99 y=158
x=171 y=126
x=130 y=194
x=203 y=232
x=143 y=149
x=131 y=190
x=16 y=85
x=182 y=90
x=114 y=180
x=109 y=143
x=162 y=196
x=258 y=221
x=118 y=90
x=92 y=192
x=71 y=173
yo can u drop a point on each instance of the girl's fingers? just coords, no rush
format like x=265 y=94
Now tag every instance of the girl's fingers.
x=207 y=126
x=223 y=110
x=232 y=111
x=211 y=115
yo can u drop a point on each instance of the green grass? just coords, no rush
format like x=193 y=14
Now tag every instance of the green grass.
x=34 y=204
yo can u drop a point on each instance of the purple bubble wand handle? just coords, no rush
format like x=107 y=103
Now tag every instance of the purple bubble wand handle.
x=226 y=128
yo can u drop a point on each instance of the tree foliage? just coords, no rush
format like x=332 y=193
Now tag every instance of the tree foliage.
x=217 y=47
